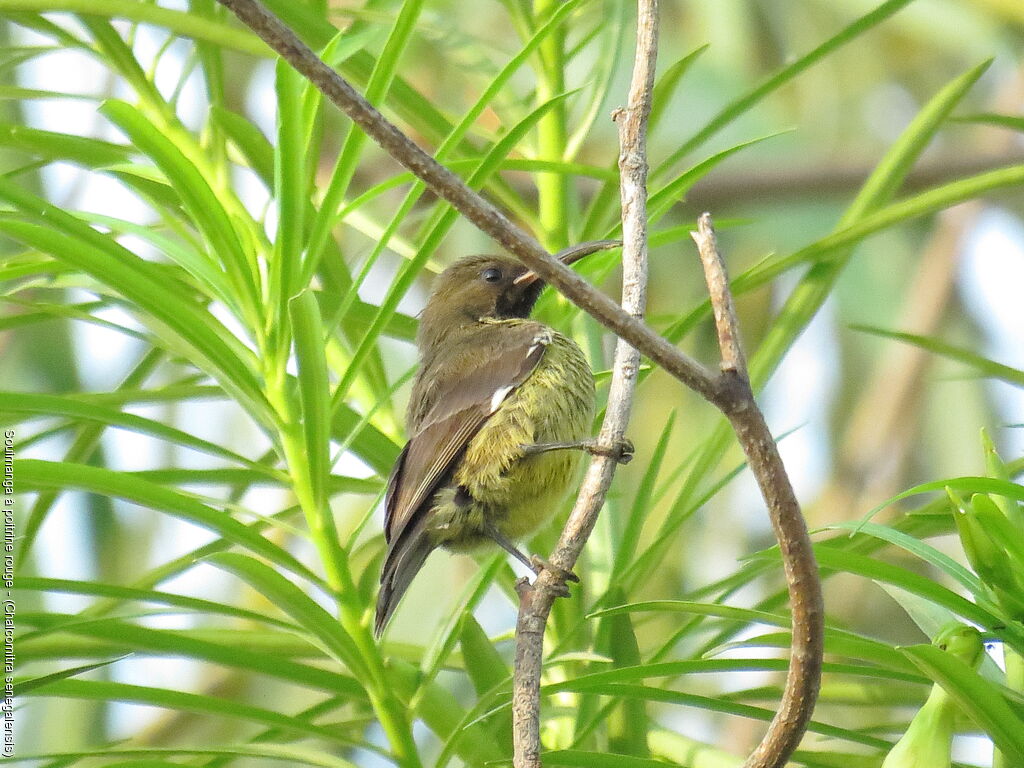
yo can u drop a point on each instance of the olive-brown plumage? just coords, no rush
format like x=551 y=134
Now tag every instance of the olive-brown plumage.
x=490 y=383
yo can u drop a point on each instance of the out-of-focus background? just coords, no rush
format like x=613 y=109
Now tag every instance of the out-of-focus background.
x=834 y=87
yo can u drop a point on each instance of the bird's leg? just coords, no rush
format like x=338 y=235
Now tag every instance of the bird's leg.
x=535 y=563
x=493 y=533
x=620 y=450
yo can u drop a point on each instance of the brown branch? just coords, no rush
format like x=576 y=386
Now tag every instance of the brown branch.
x=834 y=178
x=729 y=391
x=808 y=620
x=470 y=204
x=721 y=297
x=535 y=601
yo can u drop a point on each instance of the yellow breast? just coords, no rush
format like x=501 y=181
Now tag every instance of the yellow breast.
x=555 y=404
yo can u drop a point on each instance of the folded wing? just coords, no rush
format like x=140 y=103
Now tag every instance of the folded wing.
x=466 y=396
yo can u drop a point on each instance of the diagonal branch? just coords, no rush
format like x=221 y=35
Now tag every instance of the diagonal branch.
x=482 y=213
x=729 y=391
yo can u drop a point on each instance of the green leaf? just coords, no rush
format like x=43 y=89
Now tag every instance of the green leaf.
x=573 y=757
x=291 y=193
x=297 y=604
x=865 y=216
x=627 y=539
x=135 y=594
x=180 y=23
x=628 y=722
x=336 y=484
x=965 y=485
x=830 y=557
x=27 y=686
x=234 y=649
x=280 y=752
x=377 y=89
x=31 y=406
x=34 y=474
x=202 y=339
x=672 y=192
x=206 y=705
x=831 y=250
x=370 y=444
x=837 y=641
x=249 y=140
x=202 y=202
x=446 y=637
x=442 y=713
x=719 y=705
x=1013 y=122
x=611 y=29
x=359 y=317
x=983 y=365
x=84 y=151
x=208 y=276
x=314 y=394
x=916 y=547
x=484 y=665
x=739 y=106
x=980 y=699
x=667 y=83
x=648 y=671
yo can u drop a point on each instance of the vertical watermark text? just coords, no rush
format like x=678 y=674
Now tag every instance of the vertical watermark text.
x=7 y=502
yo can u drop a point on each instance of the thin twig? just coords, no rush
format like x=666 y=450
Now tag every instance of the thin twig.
x=729 y=391
x=721 y=297
x=801 y=691
x=535 y=601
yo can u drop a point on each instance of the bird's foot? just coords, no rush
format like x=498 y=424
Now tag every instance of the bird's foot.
x=538 y=564
x=620 y=450
x=535 y=563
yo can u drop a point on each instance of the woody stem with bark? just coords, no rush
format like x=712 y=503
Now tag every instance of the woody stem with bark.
x=536 y=600
x=736 y=400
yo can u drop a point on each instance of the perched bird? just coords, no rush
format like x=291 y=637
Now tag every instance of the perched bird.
x=498 y=403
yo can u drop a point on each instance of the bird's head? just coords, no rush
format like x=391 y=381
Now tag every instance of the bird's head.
x=483 y=286
x=494 y=287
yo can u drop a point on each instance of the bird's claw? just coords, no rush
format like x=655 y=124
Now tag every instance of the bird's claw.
x=620 y=450
x=624 y=451
x=539 y=564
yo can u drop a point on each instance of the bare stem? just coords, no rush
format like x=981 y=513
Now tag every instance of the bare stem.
x=535 y=602
x=808 y=620
x=728 y=391
x=721 y=297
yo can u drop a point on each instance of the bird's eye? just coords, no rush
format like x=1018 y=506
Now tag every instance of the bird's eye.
x=491 y=275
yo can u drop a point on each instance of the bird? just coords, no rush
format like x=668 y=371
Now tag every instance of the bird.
x=499 y=406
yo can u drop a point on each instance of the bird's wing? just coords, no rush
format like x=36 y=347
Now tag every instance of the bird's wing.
x=462 y=404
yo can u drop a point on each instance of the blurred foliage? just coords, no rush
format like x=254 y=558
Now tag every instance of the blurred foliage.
x=209 y=291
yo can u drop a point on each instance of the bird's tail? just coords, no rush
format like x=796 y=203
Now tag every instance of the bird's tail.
x=404 y=559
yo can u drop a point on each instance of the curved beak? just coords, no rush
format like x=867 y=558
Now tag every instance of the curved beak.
x=569 y=255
